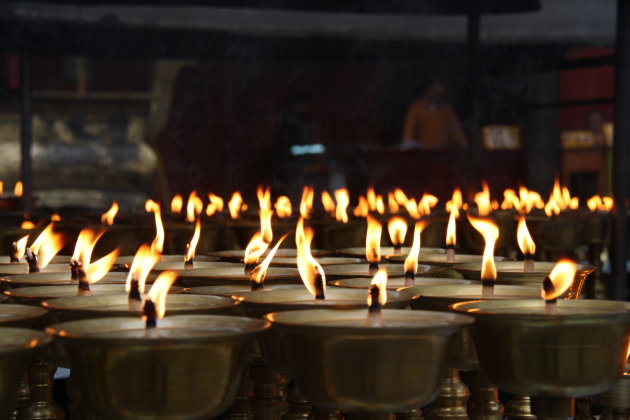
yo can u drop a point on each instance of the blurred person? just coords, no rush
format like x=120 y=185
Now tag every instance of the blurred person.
x=431 y=122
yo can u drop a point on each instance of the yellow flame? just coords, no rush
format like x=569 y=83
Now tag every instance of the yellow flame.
x=455 y=203
x=215 y=205
x=283 y=207
x=55 y=218
x=141 y=266
x=264 y=197
x=412 y=208
x=194 y=207
x=158 y=243
x=451 y=228
x=27 y=225
x=176 y=204
x=259 y=273
x=21 y=246
x=192 y=246
x=380 y=281
x=427 y=202
x=380 y=204
x=85 y=245
x=510 y=199
x=265 y=225
x=328 y=202
x=400 y=197
x=343 y=201
x=482 y=199
x=597 y=203
x=255 y=249
x=19 y=189
x=362 y=209
x=560 y=199
x=159 y=292
x=411 y=262
x=373 y=240
x=107 y=218
x=397 y=228
x=308 y=267
x=235 y=205
x=306 y=203
x=392 y=204
x=371 y=198
x=561 y=277
x=1 y=187
x=47 y=245
x=98 y=269
x=524 y=239
x=490 y=232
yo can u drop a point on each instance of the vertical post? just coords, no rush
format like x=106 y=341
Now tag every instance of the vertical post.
x=26 y=134
x=619 y=279
x=473 y=25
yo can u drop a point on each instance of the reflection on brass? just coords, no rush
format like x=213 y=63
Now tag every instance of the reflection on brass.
x=266 y=402
x=396 y=283
x=23 y=397
x=616 y=401
x=583 y=405
x=484 y=401
x=411 y=414
x=320 y=413
x=519 y=408
x=451 y=403
x=387 y=251
x=298 y=408
x=363 y=270
x=240 y=409
x=41 y=405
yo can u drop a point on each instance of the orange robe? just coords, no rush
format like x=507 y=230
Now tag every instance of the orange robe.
x=432 y=126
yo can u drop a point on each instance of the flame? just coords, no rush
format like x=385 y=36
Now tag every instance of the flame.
x=283 y=207
x=107 y=218
x=427 y=202
x=373 y=240
x=1 y=187
x=380 y=204
x=176 y=204
x=19 y=189
x=55 y=218
x=343 y=201
x=98 y=269
x=265 y=225
x=21 y=247
x=47 y=245
x=510 y=200
x=397 y=227
x=362 y=209
x=215 y=205
x=412 y=208
x=158 y=243
x=411 y=262
x=192 y=246
x=482 y=199
x=490 y=232
x=141 y=266
x=255 y=248
x=306 y=204
x=455 y=203
x=392 y=204
x=27 y=225
x=85 y=245
x=561 y=278
x=451 y=235
x=560 y=199
x=552 y=208
x=259 y=273
x=236 y=205
x=329 y=203
x=400 y=197
x=597 y=203
x=159 y=292
x=264 y=197
x=194 y=207
x=524 y=239
x=311 y=272
x=380 y=282
x=371 y=198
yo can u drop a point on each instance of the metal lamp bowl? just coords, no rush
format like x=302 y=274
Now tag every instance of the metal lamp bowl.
x=58 y=259
x=440 y=297
x=17 y=347
x=188 y=371
x=59 y=278
x=363 y=270
x=324 y=261
x=21 y=316
x=440 y=259
x=619 y=395
x=578 y=351
x=13 y=269
x=234 y=274
x=237 y=255
x=395 y=283
x=339 y=362
x=387 y=251
x=511 y=272
x=235 y=289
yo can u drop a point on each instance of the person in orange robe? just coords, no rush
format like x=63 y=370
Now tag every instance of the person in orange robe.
x=431 y=122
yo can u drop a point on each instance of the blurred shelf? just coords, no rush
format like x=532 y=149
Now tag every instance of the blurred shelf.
x=93 y=96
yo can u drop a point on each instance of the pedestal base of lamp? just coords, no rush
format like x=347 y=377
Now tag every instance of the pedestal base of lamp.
x=584 y=406
x=412 y=414
x=519 y=408
x=298 y=408
x=556 y=409
x=323 y=414
x=41 y=405
x=267 y=402
x=451 y=403
x=22 y=399
x=484 y=401
x=240 y=409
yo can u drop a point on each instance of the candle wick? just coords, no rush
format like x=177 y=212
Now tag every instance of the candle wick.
x=373 y=268
x=150 y=314
x=14 y=253
x=74 y=268
x=188 y=262
x=84 y=285
x=31 y=259
x=375 y=293
x=410 y=278
x=450 y=253
x=319 y=287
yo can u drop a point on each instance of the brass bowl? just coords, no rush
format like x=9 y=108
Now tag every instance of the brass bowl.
x=13 y=269
x=83 y=307
x=189 y=370
x=237 y=255
x=58 y=279
x=511 y=272
x=618 y=396
x=17 y=348
x=127 y=260
x=234 y=274
x=387 y=251
x=363 y=270
x=579 y=351
x=58 y=259
x=260 y=303
x=339 y=362
x=22 y=316
x=324 y=261
x=234 y=289
x=440 y=297
x=396 y=283
x=440 y=259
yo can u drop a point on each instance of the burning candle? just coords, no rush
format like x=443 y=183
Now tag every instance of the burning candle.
x=483 y=201
x=142 y=264
x=343 y=201
x=18 y=249
x=154 y=305
x=311 y=272
x=526 y=244
x=255 y=249
x=18 y=190
x=215 y=204
x=373 y=243
x=490 y=232
x=257 y=276
x=556 y=283
x=397 y=228
x=236 y=205
x=306 y=203
x=411 y=263
x=328 y=203
x=377 y=298
x=107 y=218
x=192 y=246
x=194 y=207
x=158 y=243
x=177 y=203
x=451 y=237
x=361 y=209
x=43 y=250
x=283 y=207
x=82 y=268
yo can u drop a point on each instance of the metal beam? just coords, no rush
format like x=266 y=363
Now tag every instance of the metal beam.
x=26 y=134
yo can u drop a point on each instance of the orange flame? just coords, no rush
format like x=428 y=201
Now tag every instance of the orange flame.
x=107 y=218
x=141 y=266
x=380 y=204
x=510 y=200
x=236 y=205
x=255 y=249
x=490 y=232
x=85 y=245
x=343 y=201
x=411 y=262
x=283 y=207
x=27 y=225
x=265 y=225
x=176 y=204
x=329 y=203
x=158 y=243
x=194 y=207
x=560 y=199
x=371 y=198
x=259 y=273
x=1 y=187
x=427 y=202
x=392 y=204
x=306 y=204
x=98 y=269
x=451 y=235
x=560 y=280
x=397 y=227
x=47 y=245
x=482 y=199
x=455 y=203
x=373 y=240
x=159 y=292
x=524 y=239
x=264 y=197
x=311 y=272
x=20 y=246
x=192 y=246
x=400 y=197
x=19 y=189
x=55 y=218
x=215 y=205
x=362 y=209
x=379 y=281
x=412 y=208
x=597 y=203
